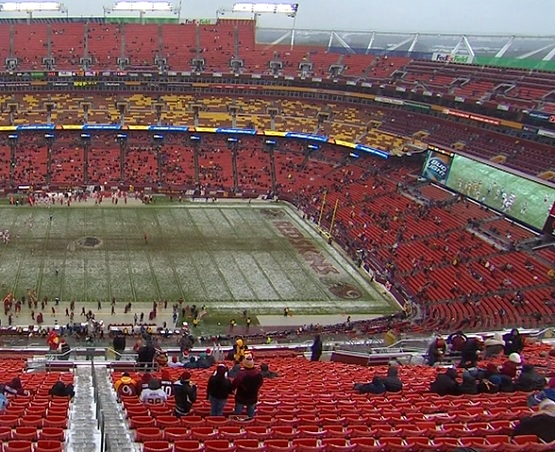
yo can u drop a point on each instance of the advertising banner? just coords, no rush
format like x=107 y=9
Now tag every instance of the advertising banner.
x=437 y=166
x=449 y=58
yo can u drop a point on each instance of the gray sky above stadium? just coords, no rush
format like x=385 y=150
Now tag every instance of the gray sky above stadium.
x=530 y=17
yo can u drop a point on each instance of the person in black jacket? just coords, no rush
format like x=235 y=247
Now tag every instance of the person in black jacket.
x=514 y=342
x=316 y=348
x=376 y=387
x=218 y=390
x=145 y=356
x=185 y=394
x=392 y=381
x=446 y=383
x=541 y=424
x=470 y=352
x=119 y=344
x=529 y=380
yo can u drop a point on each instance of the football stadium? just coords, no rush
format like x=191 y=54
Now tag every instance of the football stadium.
x=270 y=226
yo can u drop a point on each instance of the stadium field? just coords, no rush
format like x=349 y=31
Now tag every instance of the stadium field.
x=518 y=197
x=227 y=256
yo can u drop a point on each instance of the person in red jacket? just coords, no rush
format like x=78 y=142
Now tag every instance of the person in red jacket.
x=512 y=367
x=247 y=384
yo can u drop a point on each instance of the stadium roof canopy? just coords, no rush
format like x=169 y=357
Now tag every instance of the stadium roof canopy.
x=492 y=46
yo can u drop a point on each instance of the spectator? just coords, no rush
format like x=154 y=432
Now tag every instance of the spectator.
x=143 y=384
x=218 y=390
x=126 y=386
x=494 y=345
x=191 y=364
x=514 y=342
x=457 y=341
x=469 y=385
x=436 y=351
x=529 y=380
x=541 y=424
x=512 y=367
x=392 y=382
x=15 y=387
x=316 y=348
x=239 y=350
x=446 y=383
x=145 y=355
x=471 y=352
x=247 y=384
x=186 y=342
x=174 y=363
x=60 y=389
x=266 y=372
x=185 y=394
x=154 y=394
x=64 y=350
x=3 y=399
x=375 y=387
x=547 y=393
x=119 y=344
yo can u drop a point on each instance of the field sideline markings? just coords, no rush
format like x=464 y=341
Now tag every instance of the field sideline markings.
x=107 y=260
x=213 y=259
x=129 y=269
x=140 y=221
x=167 y=255
x=181 y=234
x=270 y=229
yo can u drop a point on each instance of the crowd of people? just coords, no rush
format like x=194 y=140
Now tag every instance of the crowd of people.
x=243 y=381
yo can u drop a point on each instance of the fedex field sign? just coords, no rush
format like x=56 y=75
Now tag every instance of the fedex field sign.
x=448 y=58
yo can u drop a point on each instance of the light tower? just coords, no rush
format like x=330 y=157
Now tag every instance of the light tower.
x=31 y=7
x=142 y=8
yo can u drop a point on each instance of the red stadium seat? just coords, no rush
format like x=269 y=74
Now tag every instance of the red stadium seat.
x=18 y=446
x=218 y=445
x=29 y=433
x=157 y=446
x=164 y=421
x=308 y=445
x=338 y=445
x=49 y=446
x=188 y=446
x=52 y=433
x=174 y=434
x=143 y=434
x=249 y=445
x=279 y=445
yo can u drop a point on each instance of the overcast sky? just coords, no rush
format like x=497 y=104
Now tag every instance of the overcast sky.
x=531 y=17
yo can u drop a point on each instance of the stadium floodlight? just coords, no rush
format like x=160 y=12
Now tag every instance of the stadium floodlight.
x=290 y=9
x=11 y=7
x=142 y=6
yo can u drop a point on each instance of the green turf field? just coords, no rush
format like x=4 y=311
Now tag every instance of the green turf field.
x=229 y=257
x=487 y=184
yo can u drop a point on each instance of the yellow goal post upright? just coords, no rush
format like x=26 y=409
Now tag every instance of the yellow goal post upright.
x=329 y=233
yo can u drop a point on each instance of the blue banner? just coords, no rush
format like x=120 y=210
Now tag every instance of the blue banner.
x=236 y=131
x=306 y=136
x=36 y=127
x=168 y=128
x=374 y=151
x=102 y=127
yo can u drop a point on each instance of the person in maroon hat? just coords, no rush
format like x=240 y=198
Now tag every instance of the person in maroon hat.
x=185 y=394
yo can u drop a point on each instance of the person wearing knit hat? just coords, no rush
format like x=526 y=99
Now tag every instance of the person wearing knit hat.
x=248 y=362
x=247 y=384
x=154 y=394
x=541 y=423
x=126 y=386
x=494 y=346
x=446 y=383
x=185 y=394
x=512 y=367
